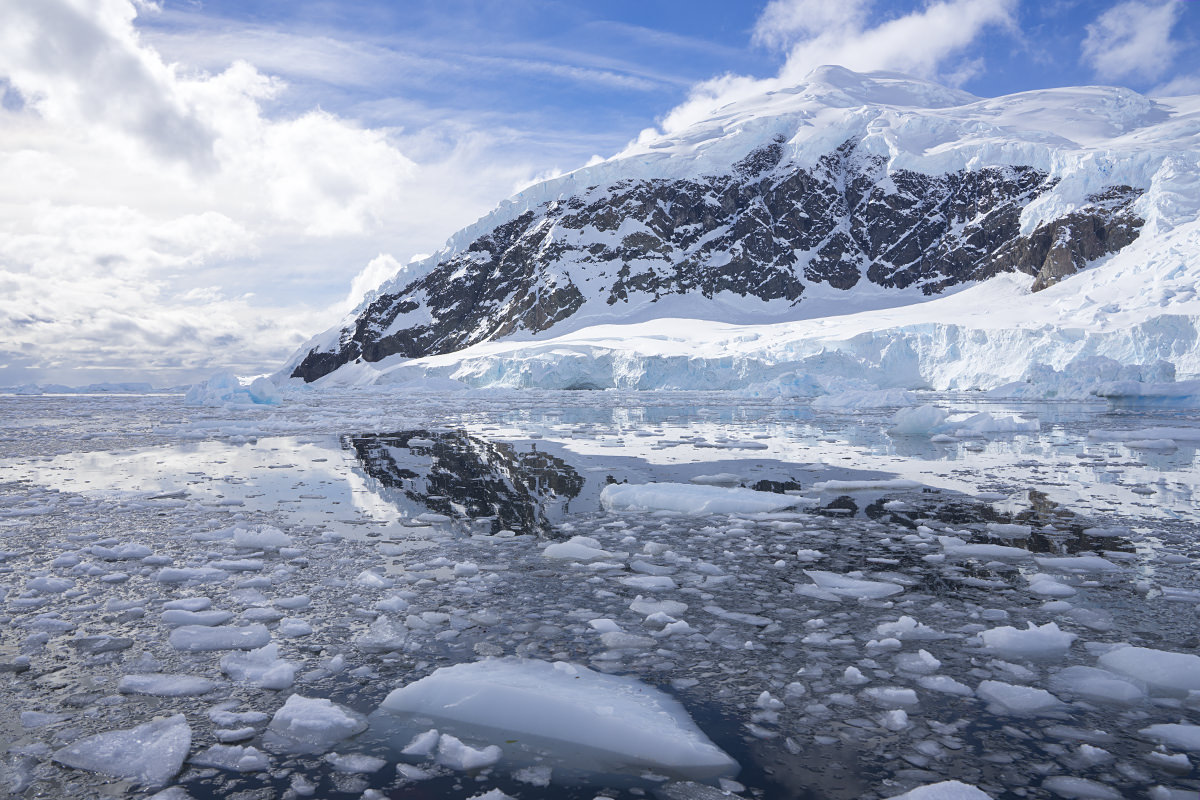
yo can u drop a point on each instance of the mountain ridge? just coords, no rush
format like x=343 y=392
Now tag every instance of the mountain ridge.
x=764 y=228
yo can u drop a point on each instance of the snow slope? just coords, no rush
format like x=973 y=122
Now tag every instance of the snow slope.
x=1137 y=306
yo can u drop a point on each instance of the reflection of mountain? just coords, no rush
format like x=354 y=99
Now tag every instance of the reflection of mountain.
x=453 y=473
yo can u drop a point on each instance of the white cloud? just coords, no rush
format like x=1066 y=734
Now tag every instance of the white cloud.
x=928 y=43
x=159 y=221
x=1133 y=40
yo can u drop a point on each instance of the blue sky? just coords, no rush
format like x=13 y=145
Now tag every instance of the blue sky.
x=201 y=184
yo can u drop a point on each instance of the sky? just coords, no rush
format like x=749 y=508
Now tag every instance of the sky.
x=198 y=185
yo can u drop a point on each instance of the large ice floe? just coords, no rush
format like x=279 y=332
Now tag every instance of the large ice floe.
x=561 y=715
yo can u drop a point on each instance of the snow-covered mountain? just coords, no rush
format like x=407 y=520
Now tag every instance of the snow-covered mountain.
x=871 y=227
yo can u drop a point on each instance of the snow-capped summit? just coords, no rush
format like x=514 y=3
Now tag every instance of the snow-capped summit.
x=846 y=193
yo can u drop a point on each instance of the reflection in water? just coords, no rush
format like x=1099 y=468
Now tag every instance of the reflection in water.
x=454 y=473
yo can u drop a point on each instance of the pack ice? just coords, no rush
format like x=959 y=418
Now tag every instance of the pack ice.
x=587 y=719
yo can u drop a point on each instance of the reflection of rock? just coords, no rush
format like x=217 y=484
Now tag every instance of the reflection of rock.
x=453 y=473
x=1054 y=529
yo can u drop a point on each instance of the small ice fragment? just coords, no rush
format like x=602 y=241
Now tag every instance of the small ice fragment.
x=847 y=587
x=199 y=637
x=237 y=758
x=453 y=753
x=1006 y=698
x=1044 y=642
x=354 y=763
x=577 y=548
x=312 y=725
x=946 y=790
x=262 y=668
x=423 y=744
x=160 y=685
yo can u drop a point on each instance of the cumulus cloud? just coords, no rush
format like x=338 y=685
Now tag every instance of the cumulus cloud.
x=162 y=221
x=1133 y=40
x=929 y=43
x=46 y=46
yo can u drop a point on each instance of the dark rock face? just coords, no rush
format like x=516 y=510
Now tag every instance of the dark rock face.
x=766 y=229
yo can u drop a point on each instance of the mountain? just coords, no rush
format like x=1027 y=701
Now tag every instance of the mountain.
x=838 y=198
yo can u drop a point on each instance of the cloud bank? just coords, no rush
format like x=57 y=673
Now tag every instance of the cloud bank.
x=159 y=222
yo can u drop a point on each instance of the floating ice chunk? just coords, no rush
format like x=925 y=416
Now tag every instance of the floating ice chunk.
x=858 y=486
x=946 y=684
x=199 y=637
x=1180 y=736
x=452 y=753
x=920 y=662
x=1006 y=698
x=586 y=717
x=370 y=579
x=1047 y=586
x=354 y=763
x=958 y=548
x=908 y=629
x=1079 y=788
x=382 y=636
x=1174 y=434
x=578 y=548
x=857 y=400
x=847 y=587
x=918 y=421
x=1005 y=531
x=233 y=757
x=312 y=725
x=853 y=676
x=189 y=604
x=1162 y=670
x=176 y=793
x=720 y=479
x=291 y=627
x=185 y=574
x=160 y=685
x=423 y=744
x=175 y=617
x=1036 y=643
x=262 y=667
x=891 y=697
x=946 y=790
x=673 y=608
x=1077 y=564
x=121 y=552
x=262 y=537
x=48 y=584
x=983 y=422
x=149 y=754
x=650 y=583
x=684 y=498
x=224 y=388
x=492 y=794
